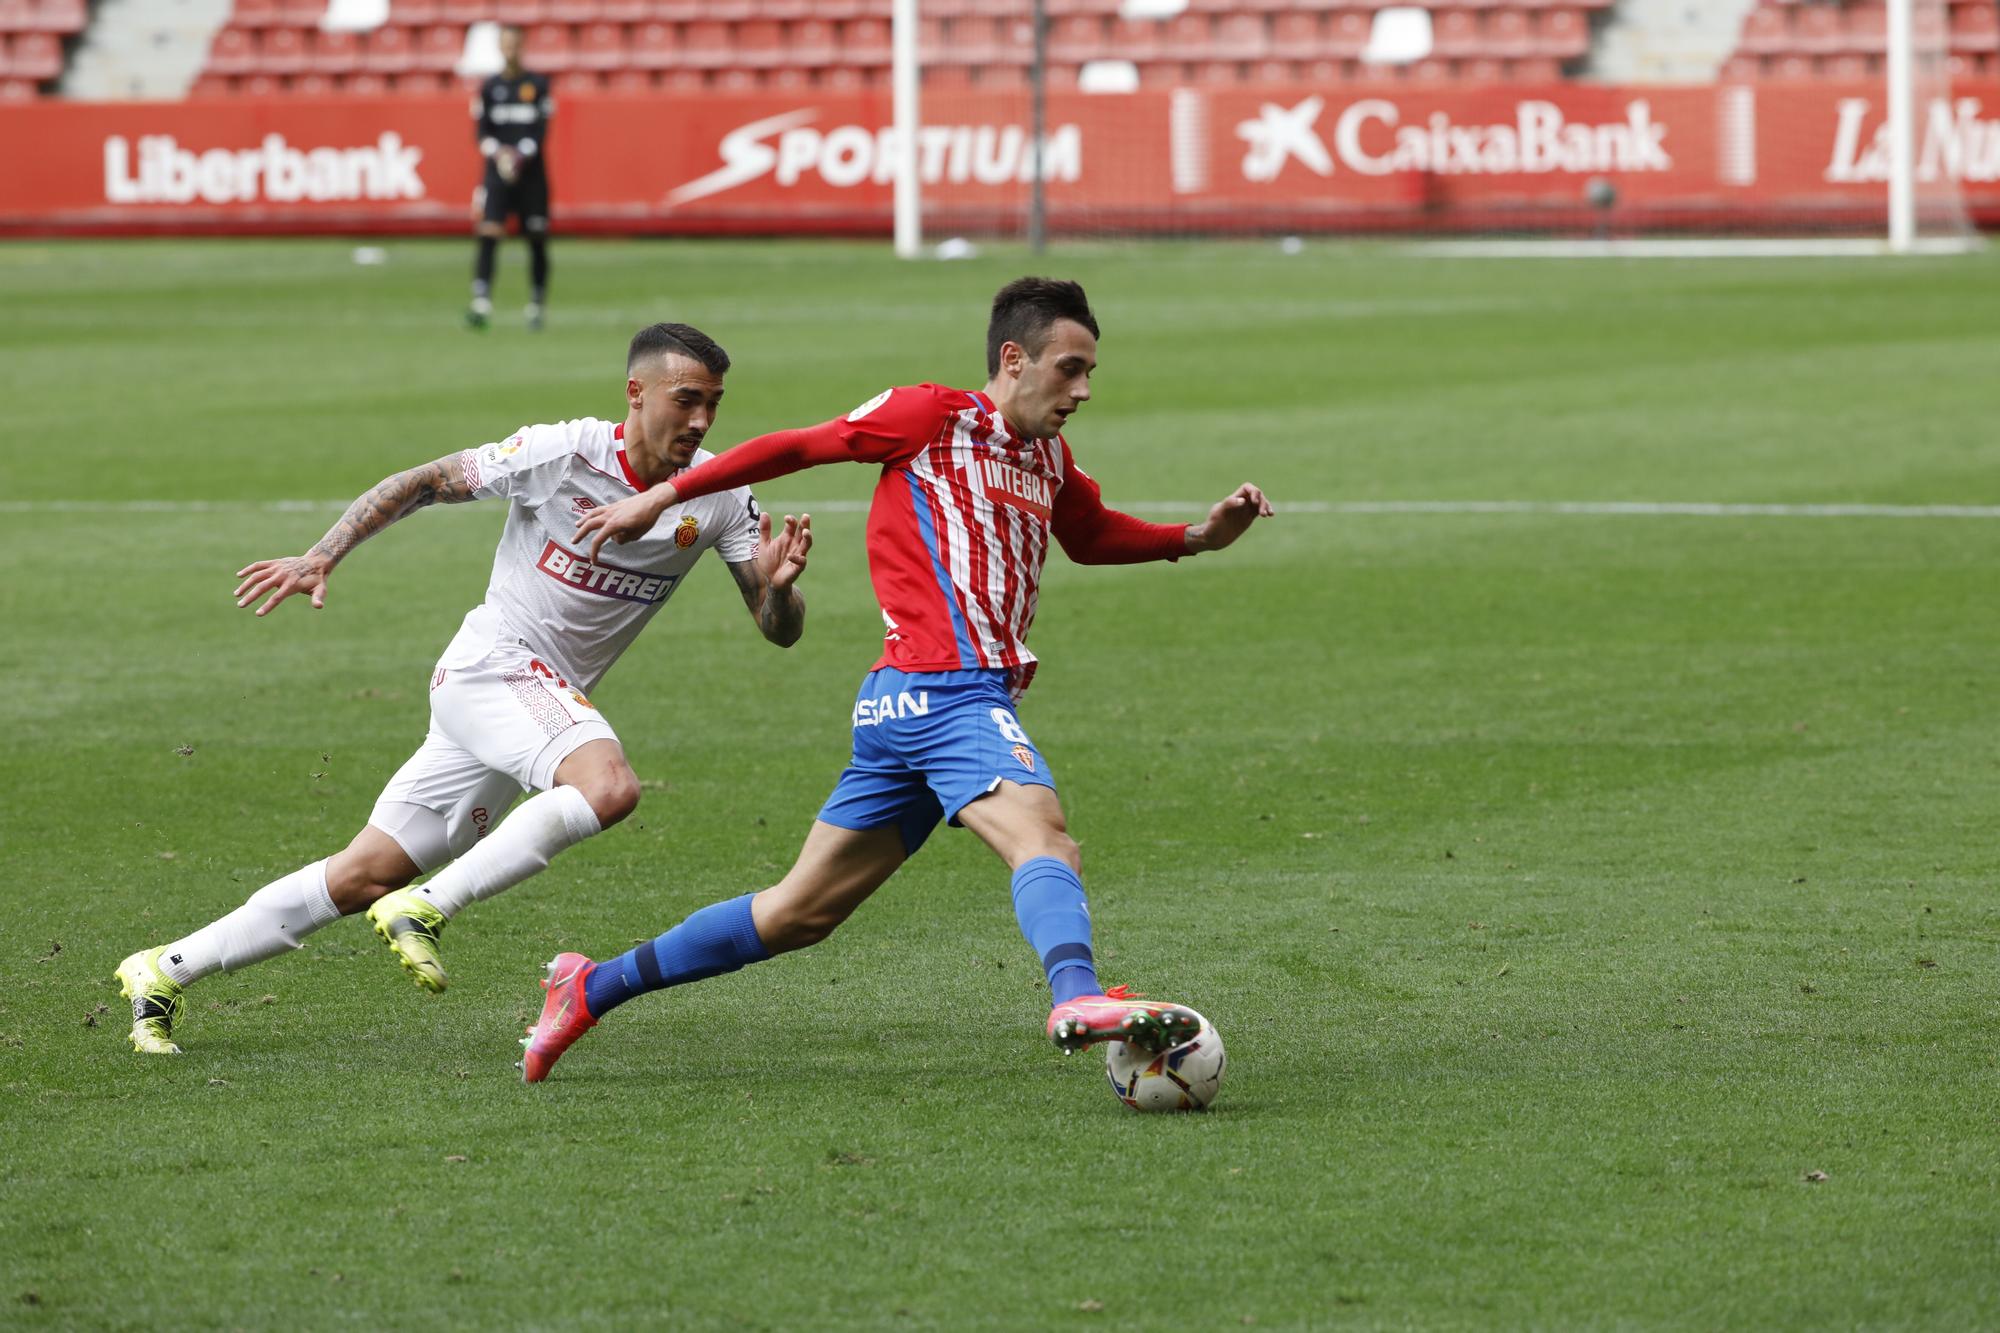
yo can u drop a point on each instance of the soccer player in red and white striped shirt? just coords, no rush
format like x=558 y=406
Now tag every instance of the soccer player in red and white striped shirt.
x=973 y=485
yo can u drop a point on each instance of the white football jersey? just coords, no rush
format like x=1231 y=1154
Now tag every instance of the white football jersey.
x=545 y=593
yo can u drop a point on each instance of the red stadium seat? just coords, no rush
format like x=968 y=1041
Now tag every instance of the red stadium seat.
x=16 y=16
x=1975 y=29
x=301 y=13
x=602 y=46
x=625 y=11
x=864 y=42
x=63 y=17
x=1506 y=34
x=629 y=82
x=1562 y=34
x=1136 y=40
x=232 y=52
x=462 y=12
x=312 y=83
x=1789 y=68
x=1535 y=69
x=1295 y=35
x=1075 y=37
x=677 y=11
x=1186 y=36
x=810 y=42
x=1846 y=65
x=364 y=84
x=1456 y=32
x=680 y=80
x=1740 y=69
x=1482 y=69
x=1241 y=37
x=1766 y=31
x=1347 y=34
x=258 y=85
x=35 y=56
x=439 y=47
x=210 y=85
x=759 y=43
x=576 y=83
x=734 y=79
x=1432 y=70
x=705 y=45
x=418 y=83
x=415 y=13
x=388 y=51
x=335 y=53
x=790 y=11
x=575 y=11
x=521 y=11
x=654 y=47
x=282 y=51
x=1867 y=29
x=547 y=48
x=1818 y=30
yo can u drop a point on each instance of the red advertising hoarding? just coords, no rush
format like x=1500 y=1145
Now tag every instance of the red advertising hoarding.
x=1741 y=157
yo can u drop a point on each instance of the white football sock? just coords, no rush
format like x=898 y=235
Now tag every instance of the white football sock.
x=523 y=844
x=276 y=918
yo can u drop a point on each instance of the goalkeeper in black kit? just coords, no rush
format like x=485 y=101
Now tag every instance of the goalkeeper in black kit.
x=513 y=110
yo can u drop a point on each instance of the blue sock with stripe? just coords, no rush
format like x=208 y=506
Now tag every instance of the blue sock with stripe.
x=1048 y=900
x=719 y=938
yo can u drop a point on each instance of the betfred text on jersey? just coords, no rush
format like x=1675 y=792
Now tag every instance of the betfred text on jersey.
x=166 y=173
x=604 y=580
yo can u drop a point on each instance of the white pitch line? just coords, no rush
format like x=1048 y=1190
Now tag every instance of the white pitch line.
x=1190 y=508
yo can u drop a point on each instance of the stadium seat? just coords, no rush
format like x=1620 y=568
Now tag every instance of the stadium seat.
x=232 y=52
x=680 y=79
x=1482 y=69
x=312 y=83
x=253 y=13
x=1818 y=30
x=258 y=85
x=1186 y=36
x=282 y=51
x=1347 y=34
x=301 y=13
x=334 y=53
x=629 y=82
x=1456 y=32
x=547 y=48
x=601 y=47
x=1562 y=34
x=705 y=44
x=809 y=42
x=1507 y=34
x=575 y=11
x=864 y=41
x=1846 y=65
x=630 y=12
x=1133 y=39
x=63 y=17
x=1535 y=69
x=677 y=11
x=16 y=16
x=653 y=47
x=1975 y=29
x=414 y=13
x=1241 y=37
x=791 y=11
x=1766 y=31
x=1867 y=29
x=1789 y=68
x=576 y=83
x=438 y=48
x=463 y=12
x=521 y=11
x=418 y=83
x=388 y=50
x=35 y=56
x=759 y=43
x=364 y=84
x=733 y=79
x=209 y=85
x=1295 y=35
x=1076 y=37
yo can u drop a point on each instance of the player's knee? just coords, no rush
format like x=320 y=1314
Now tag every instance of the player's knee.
x=1058 y=844
x=355 y=879
x=801 y=927
x=613 y=795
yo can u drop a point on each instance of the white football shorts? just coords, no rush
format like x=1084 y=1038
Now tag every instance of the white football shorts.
x=502 y=722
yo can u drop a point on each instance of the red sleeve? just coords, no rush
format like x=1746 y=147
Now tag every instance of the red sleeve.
x=888 y=428
x=1093 y=535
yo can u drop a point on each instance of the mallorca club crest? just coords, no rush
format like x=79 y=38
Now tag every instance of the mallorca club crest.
x=1026 y=756
x=688 y=533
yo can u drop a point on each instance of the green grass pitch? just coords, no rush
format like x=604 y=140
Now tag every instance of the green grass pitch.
x=1569 y=887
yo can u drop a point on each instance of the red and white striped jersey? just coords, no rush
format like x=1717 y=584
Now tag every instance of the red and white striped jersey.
x=960 y=523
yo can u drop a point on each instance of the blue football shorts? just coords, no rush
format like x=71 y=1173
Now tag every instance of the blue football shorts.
x=926 y=746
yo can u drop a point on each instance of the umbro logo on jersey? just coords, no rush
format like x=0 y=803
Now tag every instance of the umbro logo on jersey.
x=604 y=580
x=582 y=505
x=1008 y=485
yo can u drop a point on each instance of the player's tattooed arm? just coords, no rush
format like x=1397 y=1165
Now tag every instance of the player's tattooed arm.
x=767 y=579
x=442 y=481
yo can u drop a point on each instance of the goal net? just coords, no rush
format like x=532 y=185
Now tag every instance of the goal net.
x=1842 y=123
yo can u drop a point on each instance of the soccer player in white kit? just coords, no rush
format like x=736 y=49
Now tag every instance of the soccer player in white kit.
x=509 y=698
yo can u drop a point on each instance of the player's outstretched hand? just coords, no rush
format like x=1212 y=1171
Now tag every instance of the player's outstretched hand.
x=634 y=516
x=783 y=558
x=282 y=578
x=1230 y=519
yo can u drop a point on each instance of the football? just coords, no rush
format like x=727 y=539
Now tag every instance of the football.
x=1181 y=1078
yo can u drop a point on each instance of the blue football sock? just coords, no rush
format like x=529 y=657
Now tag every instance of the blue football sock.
x=1048 y=899
x=719 y=938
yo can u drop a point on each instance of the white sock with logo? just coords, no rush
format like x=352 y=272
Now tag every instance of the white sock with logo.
x=277 y=918
x=522 y=845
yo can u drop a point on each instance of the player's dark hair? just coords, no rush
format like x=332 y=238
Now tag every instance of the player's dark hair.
x=681 y=340
x=1026 y=309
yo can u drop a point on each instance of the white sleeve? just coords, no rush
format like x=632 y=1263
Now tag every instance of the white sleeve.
x=526 y=466
x=738 y=541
